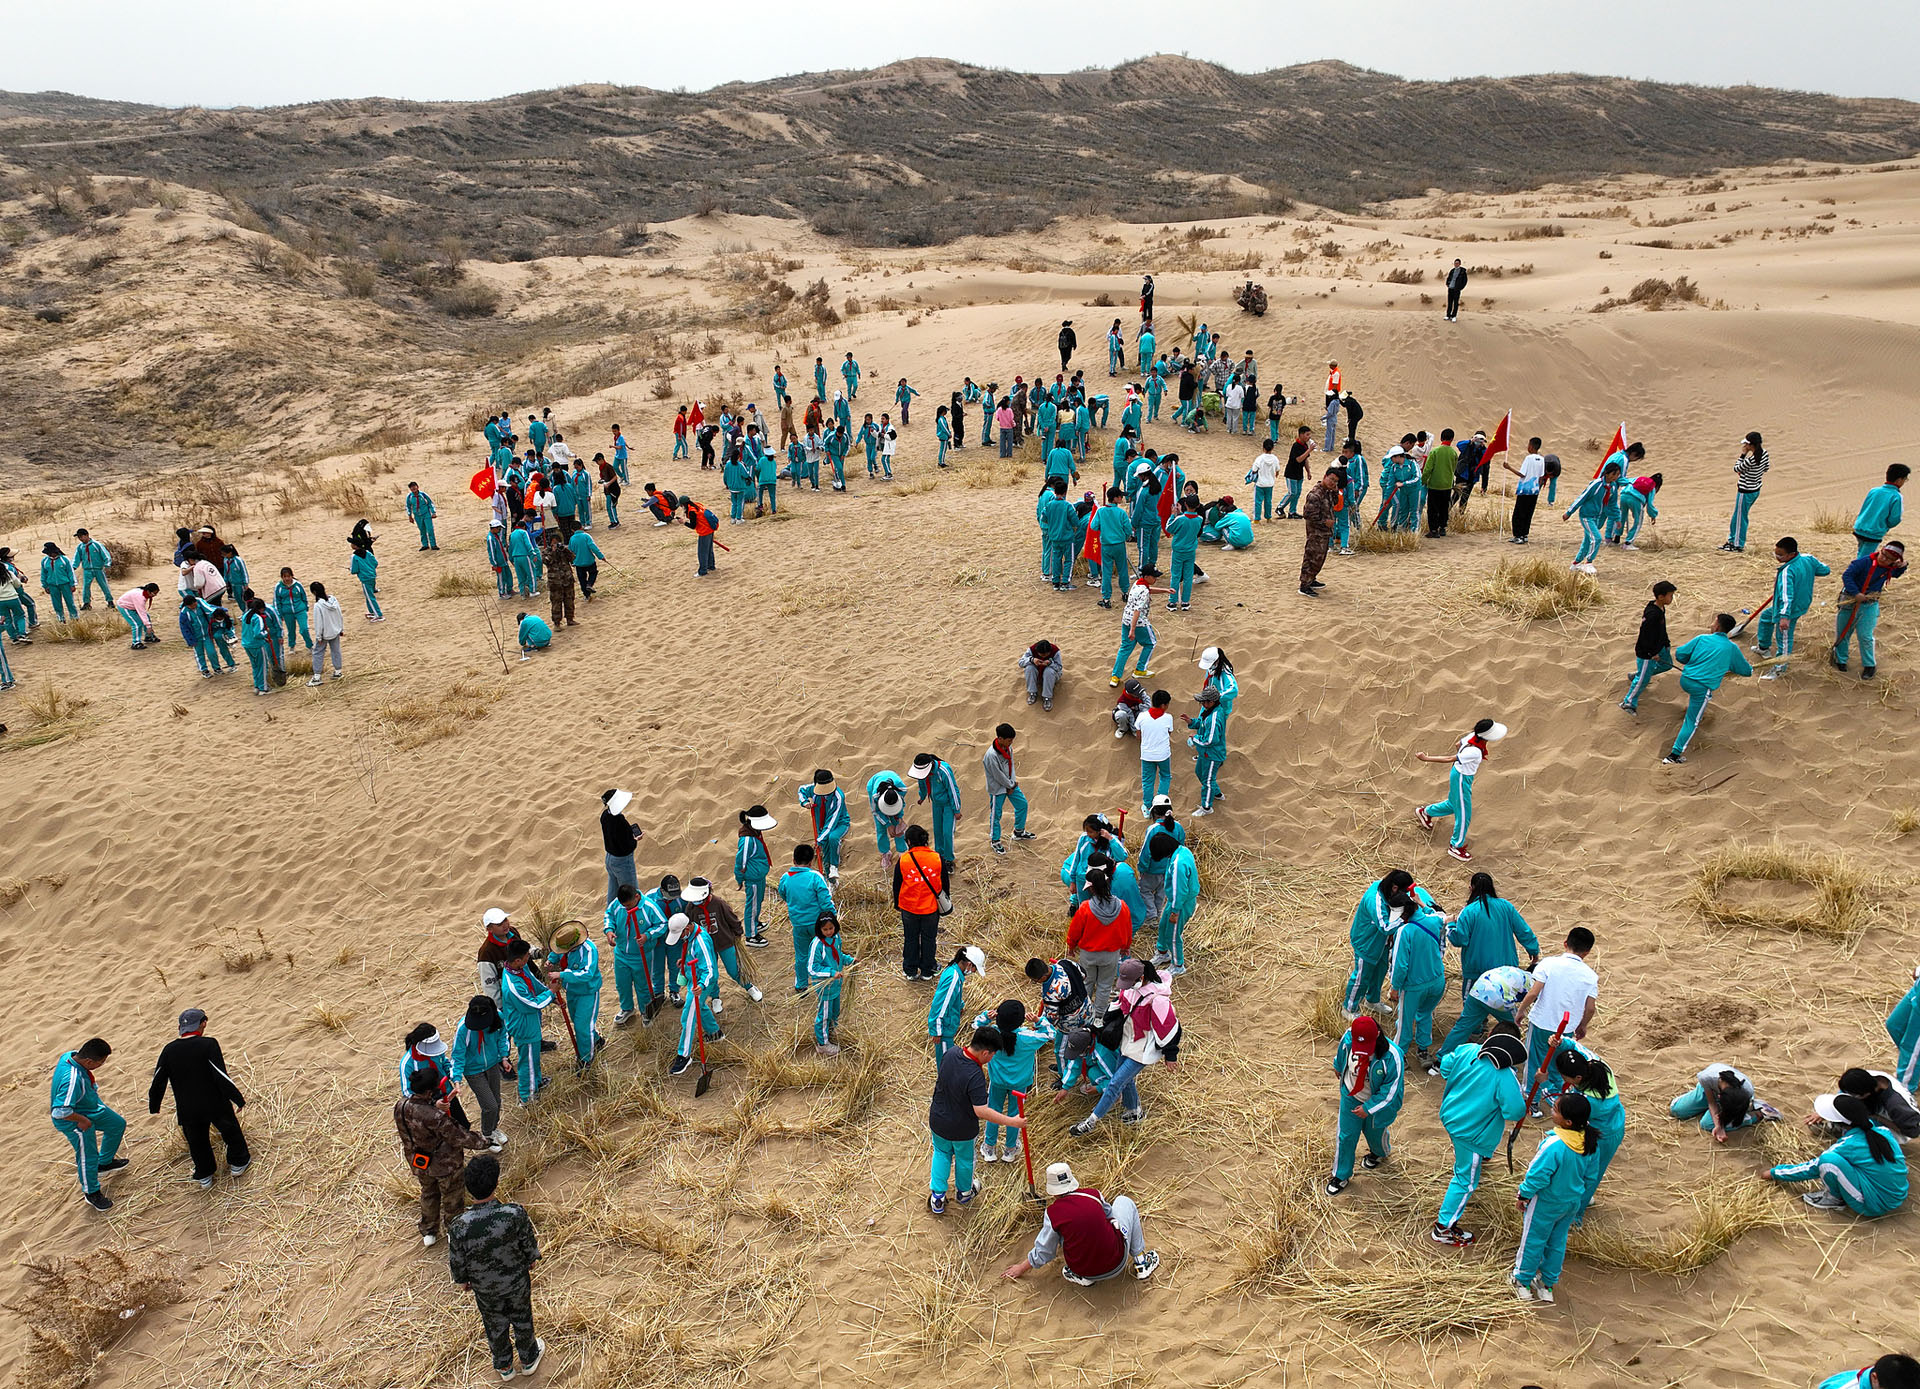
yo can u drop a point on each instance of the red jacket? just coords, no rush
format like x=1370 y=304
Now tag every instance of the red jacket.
x=1088 y=932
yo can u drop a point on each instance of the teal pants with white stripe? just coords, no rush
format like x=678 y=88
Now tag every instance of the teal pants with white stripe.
x=1543 y=1243
x=1207 y=771
x=584 y=1009
x=1351 y=1129
x=1466 y=1180
x=1697 y=701
x=696 y=1008
x=827 y=1014
x=629 y=981
x=98 y=1143
x=1458 y=804
x=753 y=892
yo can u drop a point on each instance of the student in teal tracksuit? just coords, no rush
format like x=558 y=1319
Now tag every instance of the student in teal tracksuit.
x=1209 y=743
x=1012 y=1068
x=290 y=605
x=420 y=511
x=1552 y=1195
x=1183 y=895
x=194 y=620
x=1358 y=484
x=1371 y=937
x=1636 y=505
x=82 y=1118
x=850 y=373
x=365 y=567
x=586 y=554
x=498 y=559
x=575 y=961
x=1372 y=1078
x=1482 y=1097
x=56 y=581
x=93 y=561
x=1147 y=343
x=1489 y=931
x=1183 y=533
x=253 y=641
x=1589 y=1076
x=1880 y=511
x=1865 y=1172
x=808 y=897
x=1417 y=976
x=1466 y=760
x=523 y=998
x=524 y=556
x=1114 y=526
x=1903 y=1027
x=939 y=785
x=1704 y=662
x=697 y=975
x=1792 y=597
x=826 y=804
x=949 y=998
x=1599 y=507
x=1146 y=518
x=751 y=864
x=887 y=802
x=738 y=482
x=625 y=927
x=827 y=965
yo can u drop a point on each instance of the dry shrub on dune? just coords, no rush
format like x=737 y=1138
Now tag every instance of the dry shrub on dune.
x=1539 y=588
x=995 y=471
x=53 y=714
x=1489 y=517
x=1719 y=1214
x=1839 y=892
x=1374 y=541
x=1828 y=520
x=453 y=584
x=85 y=629
x=423 y=718
x=73 y=1310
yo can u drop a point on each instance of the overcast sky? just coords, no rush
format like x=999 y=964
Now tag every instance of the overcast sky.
x=272 y=52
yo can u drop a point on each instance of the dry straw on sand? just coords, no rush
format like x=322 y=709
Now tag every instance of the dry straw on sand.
x=1539 y=588
x=74 y=1309
x=1838 y=903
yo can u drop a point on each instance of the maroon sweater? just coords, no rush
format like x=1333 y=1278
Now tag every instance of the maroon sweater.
x=1089 y=1242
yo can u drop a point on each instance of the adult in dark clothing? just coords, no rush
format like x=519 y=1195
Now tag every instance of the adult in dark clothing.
x=1351 y=405
x=1067 y=342
x=953 y=1118
x=704 y=436
x=920 y=875
x=491 y=1251
x=433 y=1145
x=619 y=838
x=1146 y=298
x=1473 y=453
x=204 y=1097
x=1456 y=282
x=1323 y=504
x=208 y=545
x=1189 y=389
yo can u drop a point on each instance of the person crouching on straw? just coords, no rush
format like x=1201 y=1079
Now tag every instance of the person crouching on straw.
x=1086 y=1231
x=1483 y=1096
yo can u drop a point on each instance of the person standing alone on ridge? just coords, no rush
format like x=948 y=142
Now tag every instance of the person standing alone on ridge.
x=1456 y=285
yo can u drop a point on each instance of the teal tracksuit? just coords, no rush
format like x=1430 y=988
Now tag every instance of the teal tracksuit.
x=253 y=641
x=830 y=821
x=93 y=561
x=1849 y=1171
x=1418 y=969
x=1183 y=895
x=1009 y=1071
x=655 y=910
x=1554 y=1192
x=1380 y=1105
x=824 y=960
x=1704 y=662
x=699 y=980
x=1490 y=931
x=1073 y=868
x=1879 y=513
x=807 y=895
x=473 y=1052
x=947 y=1008
x=420 y=511
x=365 y=567
x=1609 y=1116
x=626 y=930
x=1115 y=528
x=500 y=561
x=524 y=555
x=1146 y=524
x=1355 y=493
x=522 y=998
x=1146 y=342
x=56 y=579
x=889 y=834
x=1481 y=1100
x=751 y=864
x=943 y=789
x=1209 y=744
x=1792 y=597
x=1903 y=1026
x=1059 y=534
x=1599 y=507
x=579 y=976
x=1371 y=936
x=73 y=1094
x=1183 y=534
x=1635 y=507
x=290 y=604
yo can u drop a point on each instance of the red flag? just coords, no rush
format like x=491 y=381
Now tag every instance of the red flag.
x=1498 y=444
x=1618 y=445
x=482 y=484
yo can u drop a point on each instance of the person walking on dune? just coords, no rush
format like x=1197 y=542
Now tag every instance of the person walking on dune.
x=204 y=1097
x=1704 y=662
x=1456 y=286
x=1465 y=760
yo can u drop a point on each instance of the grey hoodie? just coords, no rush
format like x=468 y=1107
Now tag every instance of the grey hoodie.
x=1000 y=777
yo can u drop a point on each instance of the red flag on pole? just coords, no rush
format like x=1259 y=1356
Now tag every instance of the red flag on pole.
x=1618 y=445
x=482 y=484
x=1497 y=444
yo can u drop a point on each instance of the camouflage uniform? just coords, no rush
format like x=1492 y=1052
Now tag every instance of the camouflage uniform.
x=425 y=1129
x=492 y=1249
x=559 y=562
x=1320 y=512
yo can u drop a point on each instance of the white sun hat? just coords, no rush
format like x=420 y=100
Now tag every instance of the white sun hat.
x=696 y=891
x=1060 y=1179
x=976 y=957
x=619 y=801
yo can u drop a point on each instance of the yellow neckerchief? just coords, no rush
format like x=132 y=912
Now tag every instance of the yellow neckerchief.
x=1573 y=1138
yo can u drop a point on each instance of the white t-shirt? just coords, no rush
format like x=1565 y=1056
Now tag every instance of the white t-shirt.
x=888 y=441
x=1265 y=469
x=1566 y=983
x=1532 y=469
x=1236 y=397
x=1468 y=757
x=1156 y=736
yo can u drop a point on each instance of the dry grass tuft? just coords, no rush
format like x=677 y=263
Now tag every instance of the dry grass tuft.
x=15 y=890
x=1490 y=516
x=913 y=488
x=1721 y=1213
x=1416 y=1299
x=1839 y=891
x=75 y=1309
x=1374 y=541
x=1324 y=1015
x=87 y=629
x=53 y=714
x=1905 y=820
x=422 y=718
x=1264 y=1257
x=452 y=584
x=1672 y=539
x=51 y=704
x=1829 y=520
x=331 y=1019
x=995 y=471
x=342 y=495
x=1539 y=588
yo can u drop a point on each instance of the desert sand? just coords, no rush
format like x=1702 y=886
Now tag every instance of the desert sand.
x=312 y=873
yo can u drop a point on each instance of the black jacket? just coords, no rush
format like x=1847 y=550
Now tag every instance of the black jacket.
x=1653 y=633
x=1067 y=340
x=1457 y=279
x=616 y=833
x=202 y=1089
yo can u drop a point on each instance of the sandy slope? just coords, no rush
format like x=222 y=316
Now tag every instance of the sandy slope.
x=192 y=825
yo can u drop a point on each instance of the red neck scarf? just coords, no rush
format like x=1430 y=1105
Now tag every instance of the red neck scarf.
x=1364 y=1044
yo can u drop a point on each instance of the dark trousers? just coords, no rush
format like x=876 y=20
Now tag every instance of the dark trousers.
x=916 y=949
x=707 y=565
x=589 y=575
x=1437 y=503
x=1315 y=556
x=1453 y=303
x=560 y=600
x=508 y=1321
x=442 y=1198
x=199 y=1138
x=1523 y=506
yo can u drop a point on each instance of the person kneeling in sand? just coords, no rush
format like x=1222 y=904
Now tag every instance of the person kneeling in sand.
x=534 y=635
x=1087 y=1232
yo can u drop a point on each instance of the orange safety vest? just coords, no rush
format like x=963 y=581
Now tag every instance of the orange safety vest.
x=918 y=894
x=1333 y=382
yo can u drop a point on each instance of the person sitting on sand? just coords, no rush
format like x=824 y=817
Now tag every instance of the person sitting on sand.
x=1086 y=1231
x=1889 y=1102
x=1865 y=1172
x=1043 y=668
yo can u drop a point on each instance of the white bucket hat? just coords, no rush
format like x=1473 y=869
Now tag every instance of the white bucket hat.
x=696 y=891
x=677 y=925
x=432 y=1046
x=619 y=801
x=1060 y=1179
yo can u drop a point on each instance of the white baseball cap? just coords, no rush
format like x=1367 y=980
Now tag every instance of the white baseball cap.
x=1823 y=1105
x=1060 y=1180
x=975 y=957
x=1208 y=658
x=494 y=917
x=677 y=927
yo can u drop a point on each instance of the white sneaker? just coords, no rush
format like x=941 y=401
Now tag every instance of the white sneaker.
x=1119 y=732
x=1542 y=1291
x=1775 y=673
x=499 y=1137
x=1521 y=1290
x=989 y=1153
x=833 y=875
x=753 y=992
x=1625 y=545
x=315 y=681
x=827 y=1049
x=428 y=1241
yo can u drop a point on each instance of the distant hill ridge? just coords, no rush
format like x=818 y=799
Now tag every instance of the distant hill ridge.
x=924 y=150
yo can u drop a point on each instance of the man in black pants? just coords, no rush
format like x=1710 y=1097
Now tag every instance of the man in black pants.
x=1068 y=341
x=1146 y=299
x=1531 y=472
x=1456 y=282
x=204 y=1096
